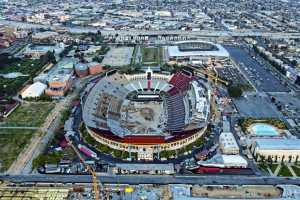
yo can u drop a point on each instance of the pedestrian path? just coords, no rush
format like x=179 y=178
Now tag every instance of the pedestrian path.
x=276 y=172
x=291 y=170
x=270 y=171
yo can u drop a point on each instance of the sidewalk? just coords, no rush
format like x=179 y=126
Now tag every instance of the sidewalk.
x=291 y=170
x=277 y=170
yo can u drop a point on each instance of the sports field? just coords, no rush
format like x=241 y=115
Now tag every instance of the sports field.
x=151 y=55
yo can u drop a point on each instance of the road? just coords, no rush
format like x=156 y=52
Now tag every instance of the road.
x=134 y=32
x=154 y=179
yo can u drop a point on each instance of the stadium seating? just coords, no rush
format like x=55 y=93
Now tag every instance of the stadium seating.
x=181 y=82
x=176 y=112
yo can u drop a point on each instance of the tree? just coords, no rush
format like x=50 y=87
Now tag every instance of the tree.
x=294 y=63
x=235 y=91
x=290 y=158
x=282 y=159
x=48 y=57
x=65 y=51
x=262 y=158
x=269 y=159
x=117 y=153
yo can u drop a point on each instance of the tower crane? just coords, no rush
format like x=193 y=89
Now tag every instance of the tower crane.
x=91 y=170
x=96 y=183
x=203 y=72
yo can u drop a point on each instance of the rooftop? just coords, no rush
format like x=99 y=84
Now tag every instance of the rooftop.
x=278 y=144
x=146 y=167
x=220 y=52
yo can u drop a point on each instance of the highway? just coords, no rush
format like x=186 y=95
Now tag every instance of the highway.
x=134 y=32
x=153 y=179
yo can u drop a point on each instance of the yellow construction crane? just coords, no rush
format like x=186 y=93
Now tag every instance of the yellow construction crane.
x=91 y=170
x=203 y=72
x=95 y=181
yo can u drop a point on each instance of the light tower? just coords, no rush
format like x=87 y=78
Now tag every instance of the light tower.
x=149 y=78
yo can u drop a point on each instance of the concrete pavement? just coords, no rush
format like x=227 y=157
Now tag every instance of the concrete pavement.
x=154 y=179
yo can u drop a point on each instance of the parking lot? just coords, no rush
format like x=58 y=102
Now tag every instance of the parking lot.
x=232 y=74
x=120 y=56
x=256 y=106
x=259 y=76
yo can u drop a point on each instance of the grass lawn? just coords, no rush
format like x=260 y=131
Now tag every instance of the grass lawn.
x=296 y=170
x=284 y=171
x=273 y=167
x=12 y=142
x=151 y=55
x=25 y=66
x=29 y=115
x=263 y=167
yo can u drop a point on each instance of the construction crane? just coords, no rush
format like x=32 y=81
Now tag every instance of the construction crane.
x=96 y=183
x=91 y=170
x=203 y=72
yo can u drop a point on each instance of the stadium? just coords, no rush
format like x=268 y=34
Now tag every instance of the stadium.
x=195 y=52
x=148 y=112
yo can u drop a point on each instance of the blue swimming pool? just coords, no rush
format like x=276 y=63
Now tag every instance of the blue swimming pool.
x=261 y=129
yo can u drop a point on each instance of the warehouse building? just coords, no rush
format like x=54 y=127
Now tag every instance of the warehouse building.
x=279 y=150
x=33 y=91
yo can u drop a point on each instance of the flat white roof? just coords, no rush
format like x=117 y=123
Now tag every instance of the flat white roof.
x=34 y=90
x=277 y=144
x=146 y=167
x=228 y=141
x=234 y=159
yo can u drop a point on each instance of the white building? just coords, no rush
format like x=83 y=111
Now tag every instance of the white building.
x=286 y=150
x=228 y=144
x=34 y=90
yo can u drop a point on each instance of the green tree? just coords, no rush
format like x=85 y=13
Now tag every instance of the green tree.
x=235 y=91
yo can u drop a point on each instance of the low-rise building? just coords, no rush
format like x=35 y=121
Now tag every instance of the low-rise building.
x=95 y=68
x=43 y=36
x=33 y=91
x=129 y=168
x=228 y=143
x=60 y=78
x=36 y=51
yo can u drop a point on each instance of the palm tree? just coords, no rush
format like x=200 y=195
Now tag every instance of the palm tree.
x=297 y=157
x=262 y=157
x=276 y=158
x=282 y=159
x=269 y=159
x=290 y=158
